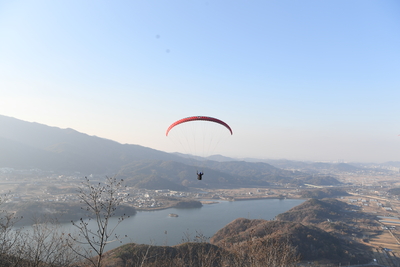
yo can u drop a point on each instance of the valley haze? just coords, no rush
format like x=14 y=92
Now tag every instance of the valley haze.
x=41 y=168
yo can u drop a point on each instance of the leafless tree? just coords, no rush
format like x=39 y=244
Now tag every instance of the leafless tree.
x=44 y=245
x=100 y=201
x=257 y=252
x=9 y=237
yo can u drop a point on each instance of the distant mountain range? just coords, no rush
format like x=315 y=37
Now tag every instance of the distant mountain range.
x=27 y=145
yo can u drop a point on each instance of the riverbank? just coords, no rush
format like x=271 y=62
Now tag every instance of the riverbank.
x=209 y=202
x=182 y=204
x=266 y=197
x=173 y=204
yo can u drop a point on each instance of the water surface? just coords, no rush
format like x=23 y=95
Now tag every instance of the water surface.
x=157 y=228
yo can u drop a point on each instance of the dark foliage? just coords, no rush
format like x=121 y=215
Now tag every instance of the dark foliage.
x=64 y=212
x=394 y=191
x=187 y=204
x=323 y=193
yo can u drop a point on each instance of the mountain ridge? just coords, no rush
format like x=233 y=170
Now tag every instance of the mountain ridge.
x=67 y=149
x=32 y=145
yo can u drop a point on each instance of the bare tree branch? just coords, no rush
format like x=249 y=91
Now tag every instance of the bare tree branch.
x=100 y=201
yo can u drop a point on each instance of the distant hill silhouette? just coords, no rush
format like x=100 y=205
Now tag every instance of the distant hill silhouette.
x=332 y=168
x=323 y=193
x=33 y=145
x=30 y=145
x=182 y=175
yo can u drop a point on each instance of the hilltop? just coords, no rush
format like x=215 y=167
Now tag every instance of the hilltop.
x=309 y=242
x=316 y=229
x=316 y=211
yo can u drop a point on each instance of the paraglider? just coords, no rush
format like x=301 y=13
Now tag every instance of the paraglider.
x=198 y=118
x=198 y=136
x=199 y=175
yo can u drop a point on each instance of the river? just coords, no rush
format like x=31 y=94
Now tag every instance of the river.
x=157 y=228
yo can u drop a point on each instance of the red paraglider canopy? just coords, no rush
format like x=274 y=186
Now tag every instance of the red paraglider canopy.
x=198 y=118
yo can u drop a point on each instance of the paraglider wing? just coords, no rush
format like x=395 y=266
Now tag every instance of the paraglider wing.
x=198 y=118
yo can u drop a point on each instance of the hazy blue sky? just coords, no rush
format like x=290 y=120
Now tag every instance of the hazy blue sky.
x=304 y=80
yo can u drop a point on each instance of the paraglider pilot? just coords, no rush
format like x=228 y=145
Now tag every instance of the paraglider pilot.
x=199 y=175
